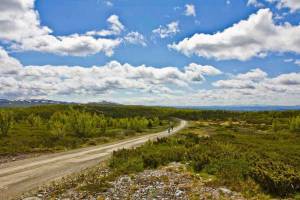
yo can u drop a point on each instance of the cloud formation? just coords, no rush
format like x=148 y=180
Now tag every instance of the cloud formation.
x=18 y=20
x=254 y=87
x=72 y=45
x=146 y=84
x=254 y=37
x=116 y=28
x=293 y=5
x=242 y=81
x=135 y=38
x=257 y=82
x=20 y=26
x=35 y=81
x=254 y=3
x=8 y=65
x=167 y=31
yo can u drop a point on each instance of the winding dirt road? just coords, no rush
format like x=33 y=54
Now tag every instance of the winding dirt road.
x=21 y=176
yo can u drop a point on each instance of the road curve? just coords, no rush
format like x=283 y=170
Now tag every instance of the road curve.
x=21 y=176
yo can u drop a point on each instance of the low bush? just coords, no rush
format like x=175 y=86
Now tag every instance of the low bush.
x=276 y=177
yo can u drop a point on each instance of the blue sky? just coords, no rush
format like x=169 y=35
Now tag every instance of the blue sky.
x=171 y=52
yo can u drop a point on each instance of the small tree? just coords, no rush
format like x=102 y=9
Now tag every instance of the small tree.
x=156 y=121
x=275 y=125
x=295 y=124
x=82 y=124
x=103 y=126
x=58 y=129
x=34 y=120
x=6 y=122
x=150 y=123
x=58 y=125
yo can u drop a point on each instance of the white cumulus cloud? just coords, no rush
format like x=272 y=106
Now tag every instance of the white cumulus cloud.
x=254 y=37
x=20 y=81
x=253 y=75
x=19 y=20
x=257 y=81
x=20 y=26
x=8 y=64
x=74 y=45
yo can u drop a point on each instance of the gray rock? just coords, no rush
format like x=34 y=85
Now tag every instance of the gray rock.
x=225 y=191
x=178 y=193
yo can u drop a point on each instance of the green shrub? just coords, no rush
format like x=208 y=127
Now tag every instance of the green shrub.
x=275 y=125
x=124 y=162
x=58 y=125
x=295 y=124
x=276 y=177
x=6 y=122
x=297 y=197
x=199 y=161
x=229 y=171
x=34 y=120
x=82 y=124
x=151 y=160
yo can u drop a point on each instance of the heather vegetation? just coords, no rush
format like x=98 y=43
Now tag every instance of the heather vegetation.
x=261 y=160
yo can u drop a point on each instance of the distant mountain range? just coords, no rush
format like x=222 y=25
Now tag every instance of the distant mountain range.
x=29 y=102
x=33 y=102
x=244 y=108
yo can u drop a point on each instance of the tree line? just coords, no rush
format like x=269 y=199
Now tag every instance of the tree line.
x=133 y=117
x=76 y=122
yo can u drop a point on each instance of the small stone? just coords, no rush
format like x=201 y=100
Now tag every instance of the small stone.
x=178 y=193
x=225 y=191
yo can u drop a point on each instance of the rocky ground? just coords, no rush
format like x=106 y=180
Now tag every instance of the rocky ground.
x=172 y=182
